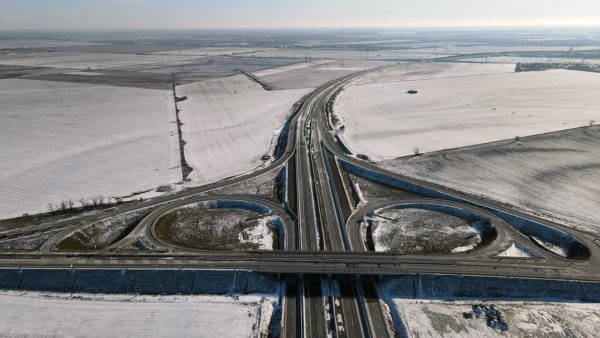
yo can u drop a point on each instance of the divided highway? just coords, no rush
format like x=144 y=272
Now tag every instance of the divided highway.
x=323 y=245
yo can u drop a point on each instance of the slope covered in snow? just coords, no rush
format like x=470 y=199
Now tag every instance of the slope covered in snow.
x=556 y=175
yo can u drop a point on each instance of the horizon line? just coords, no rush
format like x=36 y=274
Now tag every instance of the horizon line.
x=408 y=27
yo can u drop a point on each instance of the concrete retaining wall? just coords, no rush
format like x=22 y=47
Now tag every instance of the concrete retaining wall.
x=448 y=287
x=139 y=281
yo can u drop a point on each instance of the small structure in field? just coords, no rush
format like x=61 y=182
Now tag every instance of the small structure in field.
x=412 y=91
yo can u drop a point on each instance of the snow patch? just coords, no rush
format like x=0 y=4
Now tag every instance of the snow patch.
x=464 y=248
x=516 y=251
x=361 y=199
x=262 y=234
x=550 y=246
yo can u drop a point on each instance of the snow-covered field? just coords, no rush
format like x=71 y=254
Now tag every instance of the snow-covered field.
x=83 y=60
x=85 y=315
x=339 y=54
x=456 y=108
x=555 y=175
x=229 y=125
x=412 y=72
x=288 y=68
x=70 y=141
x=313 y=74
x=428 y=318
x=39 y=43
x=214 y=51
x=517 y=59
x=475 y=49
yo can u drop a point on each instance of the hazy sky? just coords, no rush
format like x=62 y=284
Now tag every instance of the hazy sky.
x=65 y=14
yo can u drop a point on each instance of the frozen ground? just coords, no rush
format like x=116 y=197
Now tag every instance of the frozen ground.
x=264 y=185
x=261 y=234
x=338 y=54
x=70 y=141
x=217 y=229
x=83 y=315
x=313 y=74
x=39 y=43
x=229 y=125
x=521 y=59
x=203 y=68
x=384 y=122
x=556 y=176
x=419 y=231
x=214 y=51
x=28 y=242
x=427 y=318
x=410 y=72
x=368 y=191
x=83 y=60
x=288 y=68
x=486 y=48
x=103 y=233
x=515 y=251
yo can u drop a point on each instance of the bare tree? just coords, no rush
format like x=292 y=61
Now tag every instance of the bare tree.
x=592 y=122
x=50 y=208
x=416 y=151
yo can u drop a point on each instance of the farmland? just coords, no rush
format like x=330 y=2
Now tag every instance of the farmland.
x=229 y=124
x=114 y=315
x=312 y=74
x=56 y=133
x=478 y=116
x=526 y=173
x=83 y=60
x=383 y=122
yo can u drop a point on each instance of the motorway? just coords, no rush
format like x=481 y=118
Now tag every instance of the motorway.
x=322 y=231
x=322 y=227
